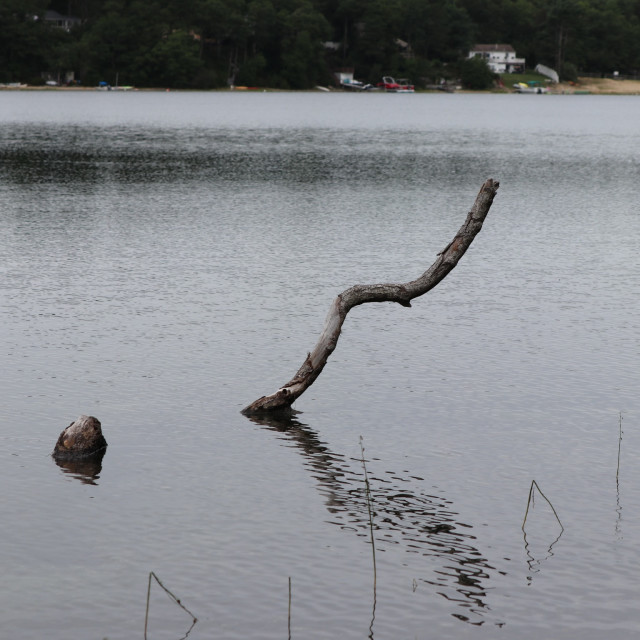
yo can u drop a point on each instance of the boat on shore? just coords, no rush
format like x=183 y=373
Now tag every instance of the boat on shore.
x=105 y=86
x=108 y=87
x=530 y=87
x=355 y=85
x=402 y=85
x=347 y=82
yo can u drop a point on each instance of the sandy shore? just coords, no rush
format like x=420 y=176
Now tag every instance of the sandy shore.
x=604 y=86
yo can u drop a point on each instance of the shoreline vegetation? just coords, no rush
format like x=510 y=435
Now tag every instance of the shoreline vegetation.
x=593 y=86
x=301 y=44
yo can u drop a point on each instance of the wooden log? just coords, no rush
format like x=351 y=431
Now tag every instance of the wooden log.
x=281 y=400
x=81 y=439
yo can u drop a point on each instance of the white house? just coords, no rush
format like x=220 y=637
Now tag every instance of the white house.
x=63 y=22
x=500 y=58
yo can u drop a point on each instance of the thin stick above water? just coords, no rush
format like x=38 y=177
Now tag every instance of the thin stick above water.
x=289 y=617
x=369 y=509
x=530 y=502
x=174 y=598
x=619 y=449
x=373 y=541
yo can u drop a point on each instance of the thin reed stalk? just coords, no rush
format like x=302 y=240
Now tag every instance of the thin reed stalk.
x=373 y=541
x=530 y=502
x=289 y=617
x=370 y=511
x=173 y=597
x=620 y=432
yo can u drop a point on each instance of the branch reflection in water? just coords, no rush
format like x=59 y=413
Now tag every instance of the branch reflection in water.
x=419 y=523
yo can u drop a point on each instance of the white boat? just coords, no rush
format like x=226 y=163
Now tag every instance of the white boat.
x=529 y=87
x=108 y=87
x=350 y=84
x=347 y=82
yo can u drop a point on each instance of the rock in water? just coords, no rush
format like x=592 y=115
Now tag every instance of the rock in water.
x=81 y=439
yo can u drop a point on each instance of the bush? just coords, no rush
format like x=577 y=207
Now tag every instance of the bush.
x=569 y=72
x=475 y=74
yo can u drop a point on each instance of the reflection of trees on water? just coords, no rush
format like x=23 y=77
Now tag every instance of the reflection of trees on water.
x=419 y=523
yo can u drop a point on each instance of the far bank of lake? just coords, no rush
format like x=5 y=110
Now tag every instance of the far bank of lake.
x=595 y=86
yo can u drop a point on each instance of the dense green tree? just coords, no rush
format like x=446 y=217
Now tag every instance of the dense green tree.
x=611 y=41
x=303 y=29
x=174 y=61
x=475 y=74
x=565 y=18
x=298 y=43
x=25 y=43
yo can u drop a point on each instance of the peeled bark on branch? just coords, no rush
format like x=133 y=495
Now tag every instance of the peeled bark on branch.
x=447 y=259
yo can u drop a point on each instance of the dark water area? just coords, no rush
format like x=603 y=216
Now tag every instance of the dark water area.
x=167 y=258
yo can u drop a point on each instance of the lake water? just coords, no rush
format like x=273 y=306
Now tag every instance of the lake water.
x=167 y=258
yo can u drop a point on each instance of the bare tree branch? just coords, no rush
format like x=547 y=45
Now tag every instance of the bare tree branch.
x=359 y=294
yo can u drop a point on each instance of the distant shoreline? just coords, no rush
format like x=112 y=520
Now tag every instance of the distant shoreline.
x=593 y=86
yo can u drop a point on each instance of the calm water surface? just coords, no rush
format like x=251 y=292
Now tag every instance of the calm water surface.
x=169 y=257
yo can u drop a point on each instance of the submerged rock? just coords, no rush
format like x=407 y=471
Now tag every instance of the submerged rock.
x=81 y=439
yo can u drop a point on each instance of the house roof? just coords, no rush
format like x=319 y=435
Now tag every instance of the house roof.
x=493 y=47
x=54 y=16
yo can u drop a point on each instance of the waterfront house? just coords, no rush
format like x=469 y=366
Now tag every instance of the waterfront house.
x=62 y=22
x=500 y=58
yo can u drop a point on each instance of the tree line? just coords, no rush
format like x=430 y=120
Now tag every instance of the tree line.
x=297 y=44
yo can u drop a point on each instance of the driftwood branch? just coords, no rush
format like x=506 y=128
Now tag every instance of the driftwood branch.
x=447 y=259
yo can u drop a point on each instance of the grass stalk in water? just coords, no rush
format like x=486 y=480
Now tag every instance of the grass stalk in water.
x=373 y=542
x=176 y=600
x=619 y=448
x=531 y=501
x=370 y=510
x=289 y=618
x=618 y=506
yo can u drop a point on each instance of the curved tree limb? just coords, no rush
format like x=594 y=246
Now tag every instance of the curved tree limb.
x=447 y=259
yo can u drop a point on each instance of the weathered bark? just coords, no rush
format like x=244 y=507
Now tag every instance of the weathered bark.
x=447 y=259
x=81 y=439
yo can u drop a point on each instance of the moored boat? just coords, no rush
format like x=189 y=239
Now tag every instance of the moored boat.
x=530 y=87
x=402 y=85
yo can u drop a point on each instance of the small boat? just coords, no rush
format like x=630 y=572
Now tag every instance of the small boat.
x=103 y=86
x=530 y=87
x=402 y=85
x=355 y=85
x=346 y=81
